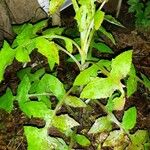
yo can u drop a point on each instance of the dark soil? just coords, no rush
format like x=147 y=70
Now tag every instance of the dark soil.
x=11 y=125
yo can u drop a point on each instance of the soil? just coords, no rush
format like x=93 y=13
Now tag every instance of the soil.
x=11 y=125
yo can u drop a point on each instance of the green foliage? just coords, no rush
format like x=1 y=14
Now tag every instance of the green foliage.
x=129 y=115
x=132 y=81
x=38 y=139
x=7 y=55
x=74 y=101
x=101 y=124
x=103 y=48
x=146 y=81
x=6 y=101
x=42 y=95
x=82 y=140
x=49 y=50
x=112 y=20
x=142 y=12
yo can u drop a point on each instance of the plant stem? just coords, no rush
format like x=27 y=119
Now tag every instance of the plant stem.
x=75 y=60
x=72 y=139
x=113 y=117
x=60 y=103
x=40 y=94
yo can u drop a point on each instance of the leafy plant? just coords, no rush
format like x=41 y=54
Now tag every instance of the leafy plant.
x=142 y=13
x=97 y=81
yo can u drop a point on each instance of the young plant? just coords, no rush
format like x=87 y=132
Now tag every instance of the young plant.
x=142 y=13
x=96 y=81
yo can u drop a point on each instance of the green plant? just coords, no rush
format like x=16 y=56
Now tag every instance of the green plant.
x=142 y=13
x=96 y=81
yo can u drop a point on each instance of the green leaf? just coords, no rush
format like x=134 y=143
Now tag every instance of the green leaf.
x=103 y=48
x=39 y=26
x=53 y=31
x=36 y=109
x=140 y=137
x=55 y=5
x=50 y=84
x=69 y=45
x=112 y=20
x=38 y=139
x=98 y=19
x=24 y=35
x=146 y=81
x=32 y=76
x=116 y=139
x=49 y=50
x=115 y=102
x=99 y=88
x=22 y=54
x=77 y=56
x=101 y=124
x=107 y=34
x=18 y=28
x=7 y=55
x=138 y=140
x=85 y=76
x=121 y=65
x=82 y=140
x=129 y=118
x=6 y=101
x=74 y=101
x=118 y=103
x=132 y=82
x=22 y=91
x=64 y=123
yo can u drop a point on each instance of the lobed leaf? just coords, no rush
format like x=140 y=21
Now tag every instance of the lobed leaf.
x=36 y=109
x=50 y=84
x=38 y=139
x=22 y=54
x=49 y=50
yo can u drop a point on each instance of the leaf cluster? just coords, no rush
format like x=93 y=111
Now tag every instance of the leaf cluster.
x=142 y=13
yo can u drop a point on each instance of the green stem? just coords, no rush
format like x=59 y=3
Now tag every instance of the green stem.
x=113 y=117
x=72 y=139
x=40 y=94
x=60 y=103
x=75 y=60
x=75 y=5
